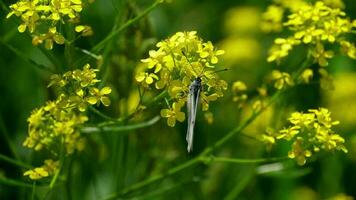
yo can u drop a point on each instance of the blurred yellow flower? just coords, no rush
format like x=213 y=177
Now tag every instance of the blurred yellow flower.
x=240 y=49
x=48 y=169
x=242 y=20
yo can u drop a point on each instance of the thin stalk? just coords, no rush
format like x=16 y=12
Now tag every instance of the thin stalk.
x=28 y=59
x=208 y=159
x=61 y=155
x=96 y=129
x=102 y=115
x=33 y=190
x=15 y=162
x=130 y=22
x=155 y=178
x=157 y=98
x=5 y=132
x=16 y=183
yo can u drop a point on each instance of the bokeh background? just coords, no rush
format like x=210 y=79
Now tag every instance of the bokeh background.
x=113 y=161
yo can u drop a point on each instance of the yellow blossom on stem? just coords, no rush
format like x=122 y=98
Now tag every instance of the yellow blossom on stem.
x=173 y=114
x=48 y=169
x=56 y=125
x=310 y=132
x=176 y=62
x=42 y=18
x=281 y=79
x=315 y=25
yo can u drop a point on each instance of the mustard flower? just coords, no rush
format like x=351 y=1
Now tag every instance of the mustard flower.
x=315 y=25
x=42 y=18
x=56 y=125
x=49 y=168
x=99 y=96
x=306 y=76
x=178 y=60
x=310 y=132
x=239 y=90
x=281 y=79
x=173 y=114
x=272 y=19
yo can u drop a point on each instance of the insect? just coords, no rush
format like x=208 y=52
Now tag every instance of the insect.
x=192 y=106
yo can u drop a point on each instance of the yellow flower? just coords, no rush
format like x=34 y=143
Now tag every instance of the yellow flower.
x=48 y=169
x=281 y=48
x=41 y=18
x=99 y=96
x=272 y=19
x=173 y=114
x=310 y=132
x=147 y=78
x=306 y=76
x=281 y=79
x=60 y=120
x=178 y=60
x=315 y=25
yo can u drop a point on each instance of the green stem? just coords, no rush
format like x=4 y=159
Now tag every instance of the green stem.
x=11 y=182
x=28 y=59
x=130 y=22
x=157 y=98
x=155 y=178
x=111 y=128
x=208 y=159
x=33 y=190
x=15 y=162
x=61 y=156
x=102 y=115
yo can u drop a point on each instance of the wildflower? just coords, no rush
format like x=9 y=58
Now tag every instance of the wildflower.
x=310 y=133
x=209 y=117
x=306 y=76
x=42 y=18
x=326 y=80
x=48 y=169
x=56 y=125
x=172 y=67
x=239 y=93
x=272 y=19
x=173 y=114
x=99 y=96
x=281 y=79
x=315 y=26
x=282 y=48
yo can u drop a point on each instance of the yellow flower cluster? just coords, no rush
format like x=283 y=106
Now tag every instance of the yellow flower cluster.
x=239 y=92
x=55 y=126
x=316 y=26
x=49 y=168
x=42 y=18
x=281 y=79
x=310 y=132
x=175 y=64
x=272 y=18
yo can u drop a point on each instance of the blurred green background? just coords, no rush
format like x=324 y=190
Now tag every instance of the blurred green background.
x=113 y=161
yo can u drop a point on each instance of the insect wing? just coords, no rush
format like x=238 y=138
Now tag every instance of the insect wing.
x=192 y=106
